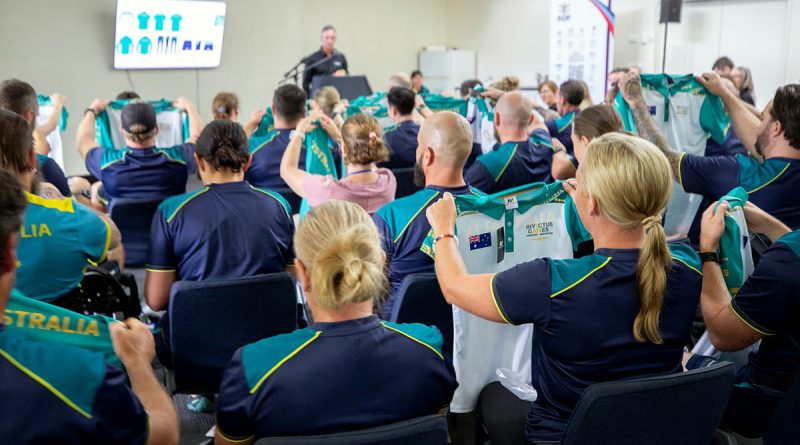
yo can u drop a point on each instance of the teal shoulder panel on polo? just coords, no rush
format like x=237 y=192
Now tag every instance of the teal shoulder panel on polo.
x=686 y=255
x=427 y=336
x=171 y=206
x=41 y=159
x=390 y=129
x=791 y=240
x=497 y=161
x=71 y=374
x=566 y=274
x=262 y=358
x=577 y=231
x=256 y=143
x=174 y=154
x=754 y=176
x=565 y=121
x=112 y=156
x=276 y=196
x=399 y=213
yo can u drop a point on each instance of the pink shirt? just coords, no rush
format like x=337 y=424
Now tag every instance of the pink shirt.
x=371 y=197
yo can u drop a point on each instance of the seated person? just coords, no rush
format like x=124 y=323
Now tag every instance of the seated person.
x=328 y=101
x=444 y=142
x=54 y=393
x=765 y=308
x=20 y=97
x=569 y=99
x=771 y=185
x=649 y=291
x=364 y=371
x=227 y=229
x=59 y=237
x=593 y=122
x=362 y=148
x=141 y=170
x=402 y=137
x=225 y=106
x=417 y=81
x=519 y=159
x=288 y=107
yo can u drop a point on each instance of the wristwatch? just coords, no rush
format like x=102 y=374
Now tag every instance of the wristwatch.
x=710 y=256
x=91 y=110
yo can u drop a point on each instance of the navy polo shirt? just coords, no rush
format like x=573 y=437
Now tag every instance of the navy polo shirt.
x=402 y=140
x=403 y=227
x=53 y=174
x=222 y=231
x=55 y=393
x=513 y=164
x=265 y=167
x=561 y=129
x=142 y=172
x=769 y=302
x=583 y=312
x=732 y=146
x=771 y=185
x=334 y=377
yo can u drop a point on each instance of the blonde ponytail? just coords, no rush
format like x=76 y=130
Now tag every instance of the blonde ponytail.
x=631 y=180
x=339 y=244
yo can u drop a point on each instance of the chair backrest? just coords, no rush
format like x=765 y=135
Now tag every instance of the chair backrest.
x=210 y=320
x=420 y=300
x=428 y=430
x=290 y=197
x=682 y=408
x=784 y=427
x=405 y=182
x=133 y=218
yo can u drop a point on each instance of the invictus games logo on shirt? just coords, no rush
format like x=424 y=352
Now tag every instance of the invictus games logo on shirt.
x=539 y=231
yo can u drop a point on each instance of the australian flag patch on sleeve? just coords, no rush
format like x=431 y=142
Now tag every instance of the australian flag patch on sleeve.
x=480 y=241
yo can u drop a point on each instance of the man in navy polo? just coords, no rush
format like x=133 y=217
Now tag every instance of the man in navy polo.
x=570 y=97
x=55 y=393
x=288 y=107
x=444 y=143
x=402 y=137
x=521 y=158
x=141 y=170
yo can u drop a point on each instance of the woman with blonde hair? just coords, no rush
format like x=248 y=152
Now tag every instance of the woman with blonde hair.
x=225 y=106
x=362 y=147
x=623 y=312
x=364 y=372
x=328 y=101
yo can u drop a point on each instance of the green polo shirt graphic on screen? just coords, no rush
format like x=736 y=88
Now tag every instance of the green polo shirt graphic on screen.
x=144 y=45
x=176 y=22
x=143 y=19
x=125 y=44
x=159 y=19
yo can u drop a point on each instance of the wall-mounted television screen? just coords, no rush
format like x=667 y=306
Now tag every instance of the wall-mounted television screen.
x=159 y=34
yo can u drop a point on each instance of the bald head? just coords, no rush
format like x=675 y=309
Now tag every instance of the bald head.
x=449 y=135
x=514 y=110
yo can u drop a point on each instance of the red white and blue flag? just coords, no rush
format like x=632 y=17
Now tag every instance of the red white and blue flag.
x=480 y=241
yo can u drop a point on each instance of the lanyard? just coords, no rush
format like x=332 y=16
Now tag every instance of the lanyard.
x=369 y=170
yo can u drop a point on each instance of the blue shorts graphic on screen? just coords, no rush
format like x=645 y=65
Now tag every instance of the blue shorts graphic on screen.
x=143 y=19
x=187 y=45
x=176 y=22
x=159 y=19
x=125 y=44
x=480 y=241
x=144 y=45
x=173 y=45
x=160 y=45
x=208 y=46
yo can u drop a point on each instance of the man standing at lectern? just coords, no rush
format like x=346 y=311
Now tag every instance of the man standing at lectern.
x=335 y=64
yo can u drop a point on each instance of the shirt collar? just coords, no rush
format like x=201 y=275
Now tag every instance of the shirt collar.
x=347 y=327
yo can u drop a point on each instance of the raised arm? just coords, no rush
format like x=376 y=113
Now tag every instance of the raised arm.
x=195 y=121
x=473 y=293
x=52 y=121
x=745 y=123
x=255 y=120
x=85 y=139
x=631 y=88
x=290 y=169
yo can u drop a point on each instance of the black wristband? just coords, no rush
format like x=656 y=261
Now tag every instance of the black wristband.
x=710 y=257
x=90 y=110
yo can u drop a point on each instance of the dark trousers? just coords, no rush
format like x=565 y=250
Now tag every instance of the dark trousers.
x=503 y=415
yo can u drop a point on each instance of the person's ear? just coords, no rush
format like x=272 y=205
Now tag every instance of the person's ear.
x=247 y=163
x=594 y=206
x=585 y=140
x=430 y=156
x=201 y=163
x=497 y=119
x=777 y=129
x=303 y=274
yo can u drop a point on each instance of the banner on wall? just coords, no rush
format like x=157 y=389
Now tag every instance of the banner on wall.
x=582 y=42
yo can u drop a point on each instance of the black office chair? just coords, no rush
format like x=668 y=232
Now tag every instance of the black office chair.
x=133 y=218
x=683 y=408
x=420 y=300
x=405 y=182
x=210 y=320
x=428 y=430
